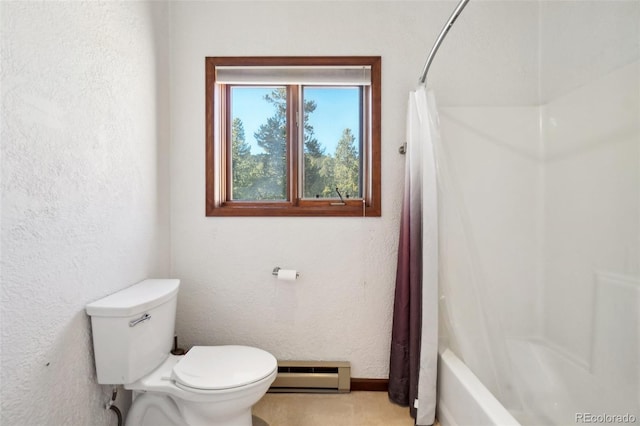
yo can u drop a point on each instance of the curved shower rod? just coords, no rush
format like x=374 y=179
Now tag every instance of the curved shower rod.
x=434 y=49
x=441 y=37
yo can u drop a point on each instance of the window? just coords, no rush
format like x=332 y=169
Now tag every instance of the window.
x=293 y=136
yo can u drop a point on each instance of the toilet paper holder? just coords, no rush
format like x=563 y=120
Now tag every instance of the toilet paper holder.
x=277 y=268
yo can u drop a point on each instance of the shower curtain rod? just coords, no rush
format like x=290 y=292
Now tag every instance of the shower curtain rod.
x=441 y=37
x=423 y=77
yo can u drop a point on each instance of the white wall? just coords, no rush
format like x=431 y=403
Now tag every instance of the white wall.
x=85 y=135
x=581 y=41
x=84 y=191
x=85 y=132
x=341 y=307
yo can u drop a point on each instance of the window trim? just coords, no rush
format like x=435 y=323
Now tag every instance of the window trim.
x=217 y=175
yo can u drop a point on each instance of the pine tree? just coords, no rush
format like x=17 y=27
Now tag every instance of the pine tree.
x=272 y=138
x=347 y=165
x=315 y=181
x=243 y=164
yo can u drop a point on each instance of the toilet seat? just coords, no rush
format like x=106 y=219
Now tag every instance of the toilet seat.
x=215 y=368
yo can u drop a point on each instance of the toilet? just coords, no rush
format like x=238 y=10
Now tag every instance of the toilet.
x=133 y=332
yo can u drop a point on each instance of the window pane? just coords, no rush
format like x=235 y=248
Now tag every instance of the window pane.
x=258 y=143
x=332 y=142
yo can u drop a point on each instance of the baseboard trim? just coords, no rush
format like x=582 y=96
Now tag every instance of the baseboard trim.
x=370 y=385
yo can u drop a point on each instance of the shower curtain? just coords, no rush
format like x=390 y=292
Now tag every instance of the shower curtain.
x=414 y=340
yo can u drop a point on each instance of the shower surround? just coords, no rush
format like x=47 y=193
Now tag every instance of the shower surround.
x=540 y=230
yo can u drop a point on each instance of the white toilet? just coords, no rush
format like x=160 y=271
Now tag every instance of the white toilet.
x=210 y=385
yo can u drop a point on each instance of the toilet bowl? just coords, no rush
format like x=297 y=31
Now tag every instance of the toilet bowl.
x=209 y=385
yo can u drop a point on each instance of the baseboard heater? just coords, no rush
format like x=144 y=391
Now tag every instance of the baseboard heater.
x=313 y=377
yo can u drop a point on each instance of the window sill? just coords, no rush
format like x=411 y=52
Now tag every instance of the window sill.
x=352 y=208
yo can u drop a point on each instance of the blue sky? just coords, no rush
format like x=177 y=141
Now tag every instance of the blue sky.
x=337 y=109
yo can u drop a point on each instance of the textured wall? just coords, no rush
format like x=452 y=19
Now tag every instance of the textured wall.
x=341 y=307
x=85 y=183
x=84 y=191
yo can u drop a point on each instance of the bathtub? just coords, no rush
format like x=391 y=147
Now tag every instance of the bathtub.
x=463 y=400
x=553 y=388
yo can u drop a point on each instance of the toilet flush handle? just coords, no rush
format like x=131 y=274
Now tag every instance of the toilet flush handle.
x=143 y=318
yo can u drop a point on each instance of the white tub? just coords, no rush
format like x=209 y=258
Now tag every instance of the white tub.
x=553 y=389
x=462 y=398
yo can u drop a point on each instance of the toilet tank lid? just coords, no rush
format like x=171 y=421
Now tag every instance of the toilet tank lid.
x=133 y=300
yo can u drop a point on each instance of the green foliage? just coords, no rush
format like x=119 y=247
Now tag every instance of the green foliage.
x=347 y=165
x=243 y=164
x=263 y=176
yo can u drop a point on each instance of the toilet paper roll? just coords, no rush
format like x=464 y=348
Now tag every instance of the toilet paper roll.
x=287 y=274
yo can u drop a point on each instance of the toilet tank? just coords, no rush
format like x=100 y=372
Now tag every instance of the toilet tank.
x=133 y=330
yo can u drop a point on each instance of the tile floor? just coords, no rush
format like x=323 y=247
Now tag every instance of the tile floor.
x=350 y=409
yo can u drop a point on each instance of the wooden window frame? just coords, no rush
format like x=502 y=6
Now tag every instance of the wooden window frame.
x=218 y=154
